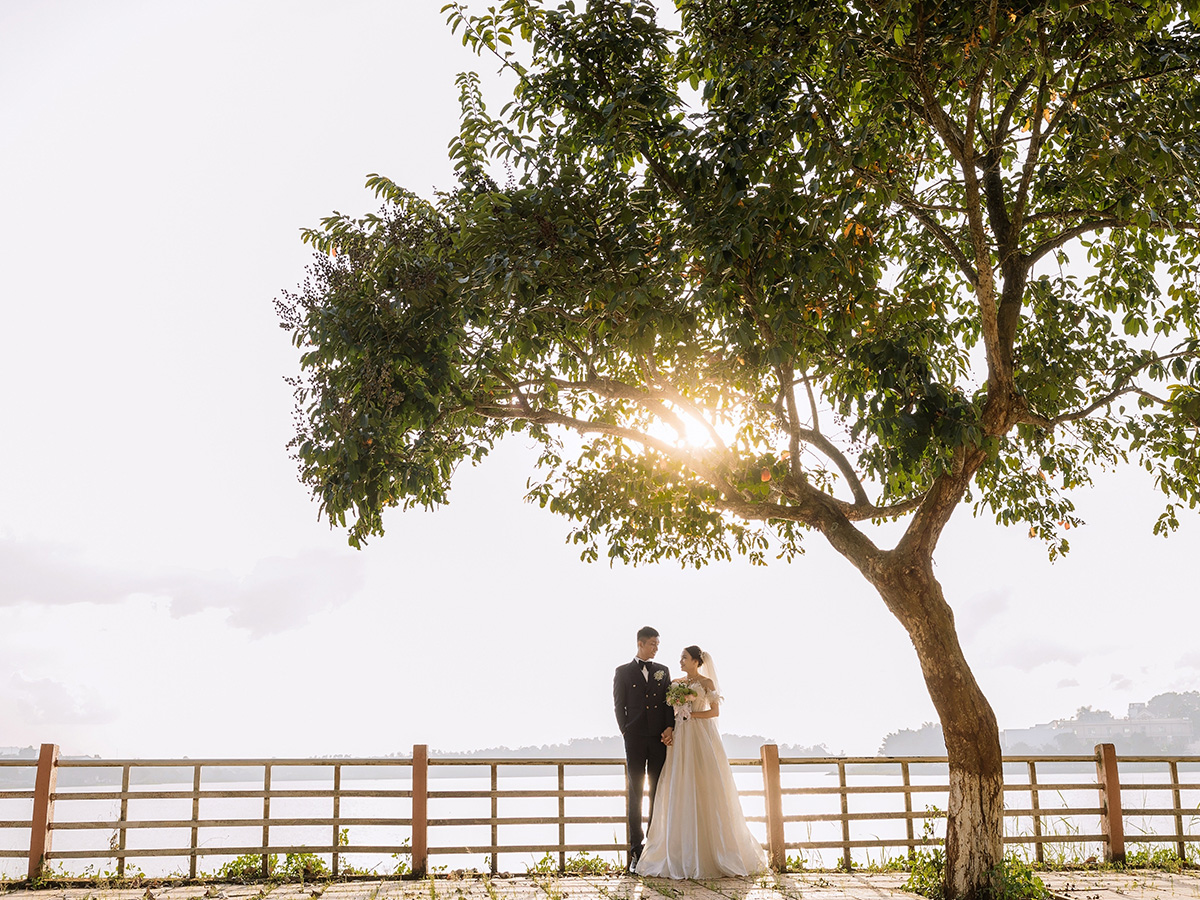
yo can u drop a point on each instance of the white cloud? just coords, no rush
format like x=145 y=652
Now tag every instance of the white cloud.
x=1026 y=654
x=51 y=574
x=46 y=701
x=1119 y=682
x=280 y=593
x=973 y=618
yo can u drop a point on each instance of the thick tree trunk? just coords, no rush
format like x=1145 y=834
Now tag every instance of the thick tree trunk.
x=974 y=831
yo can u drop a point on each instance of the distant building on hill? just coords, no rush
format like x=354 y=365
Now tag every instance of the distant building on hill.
x=1140 y=730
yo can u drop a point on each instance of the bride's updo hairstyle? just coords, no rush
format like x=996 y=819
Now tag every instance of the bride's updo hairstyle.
x=695 y=653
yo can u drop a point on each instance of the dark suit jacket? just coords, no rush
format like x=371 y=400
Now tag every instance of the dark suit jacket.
x=640 y=704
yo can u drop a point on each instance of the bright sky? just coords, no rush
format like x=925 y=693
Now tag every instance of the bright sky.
x=165 y=586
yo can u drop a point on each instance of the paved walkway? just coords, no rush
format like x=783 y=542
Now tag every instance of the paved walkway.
x=1142 y=884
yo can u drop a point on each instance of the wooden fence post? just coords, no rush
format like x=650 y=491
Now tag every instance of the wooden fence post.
x=773 y=801
x=193 y=857
x=420 y=810
x=847 y=860
x=1180 y=846
x=1111 y=823
x=906 y=780
x=495 y=815
x=337 y=814
x=43 y=808
x=121 y=835
x=1035 y=804
x=562 y=815
x=266 y=858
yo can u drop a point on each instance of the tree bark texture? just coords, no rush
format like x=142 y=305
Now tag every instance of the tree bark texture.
x=975 y=825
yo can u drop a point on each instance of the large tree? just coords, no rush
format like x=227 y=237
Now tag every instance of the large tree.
x=790 y=267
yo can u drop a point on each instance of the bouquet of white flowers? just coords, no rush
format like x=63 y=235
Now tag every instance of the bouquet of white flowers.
x=680 y=695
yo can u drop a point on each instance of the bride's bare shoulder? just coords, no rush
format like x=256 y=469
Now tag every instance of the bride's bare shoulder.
x=707 y=683
x=678 y=680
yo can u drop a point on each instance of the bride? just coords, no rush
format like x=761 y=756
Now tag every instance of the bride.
x=697 y=829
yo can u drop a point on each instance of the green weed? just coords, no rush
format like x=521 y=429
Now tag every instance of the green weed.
x=403 y=861
x=1013 y=879
x=547 y=865
x=927 y=865
x=666 y=889
x=246 y=868
x=303 y=867
x=584 y=863
x=1150 y=858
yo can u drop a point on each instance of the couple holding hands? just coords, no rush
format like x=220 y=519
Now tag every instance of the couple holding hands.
x=696 y=828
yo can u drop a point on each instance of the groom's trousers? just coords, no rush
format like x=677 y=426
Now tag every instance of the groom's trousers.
x=644 y=756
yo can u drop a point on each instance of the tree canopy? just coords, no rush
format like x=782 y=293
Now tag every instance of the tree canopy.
x=791 y=264
x=789 y=267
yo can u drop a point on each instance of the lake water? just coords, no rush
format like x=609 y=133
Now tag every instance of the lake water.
x=608 y=836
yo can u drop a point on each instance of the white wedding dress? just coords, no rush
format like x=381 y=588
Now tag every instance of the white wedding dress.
x=698 y=829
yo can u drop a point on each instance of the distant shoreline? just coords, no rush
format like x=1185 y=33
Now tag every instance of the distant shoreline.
x=737 y=746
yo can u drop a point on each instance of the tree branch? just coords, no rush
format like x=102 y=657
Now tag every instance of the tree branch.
x=1053 y=243
x=822 y=443
x=939 y=502
x=1120 y=388
x=1032 y=152
x=1010 y=106
x=943 y=237
x=619 y=390
x=709 y=473
x=1115 y=82
x=798 y=487
x=696 y=411
x=788 y=389
x=929 y=109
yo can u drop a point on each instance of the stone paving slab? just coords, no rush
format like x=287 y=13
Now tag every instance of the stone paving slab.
x=1142 y=884
x=166 y=892
x=1132 y=883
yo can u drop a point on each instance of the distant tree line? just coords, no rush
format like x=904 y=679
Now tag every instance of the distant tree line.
x=736 y=746
x=1069 y=737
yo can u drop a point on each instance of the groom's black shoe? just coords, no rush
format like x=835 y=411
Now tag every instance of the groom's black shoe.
x=633 y=860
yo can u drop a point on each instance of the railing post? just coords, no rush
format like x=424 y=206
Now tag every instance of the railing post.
x=908 y=819
x=266 y=837
x=124 y=818
x=337 y=814
x=192 y=857
x=847 y=861
x=1036 y=806
x=1111 y=823
x=773 y=801
x=43 y=808
x=420 y=809
x=1177 y=801
x=495 y=815
x=562 y=815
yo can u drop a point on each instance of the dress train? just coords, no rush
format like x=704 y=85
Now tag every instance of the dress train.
x=698 y=829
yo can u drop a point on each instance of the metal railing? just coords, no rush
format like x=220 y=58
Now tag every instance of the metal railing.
x=865 y=787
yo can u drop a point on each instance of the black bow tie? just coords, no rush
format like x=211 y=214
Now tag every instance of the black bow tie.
x=643 y=663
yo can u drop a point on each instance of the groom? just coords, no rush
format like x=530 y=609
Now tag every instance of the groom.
x=647 y=724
